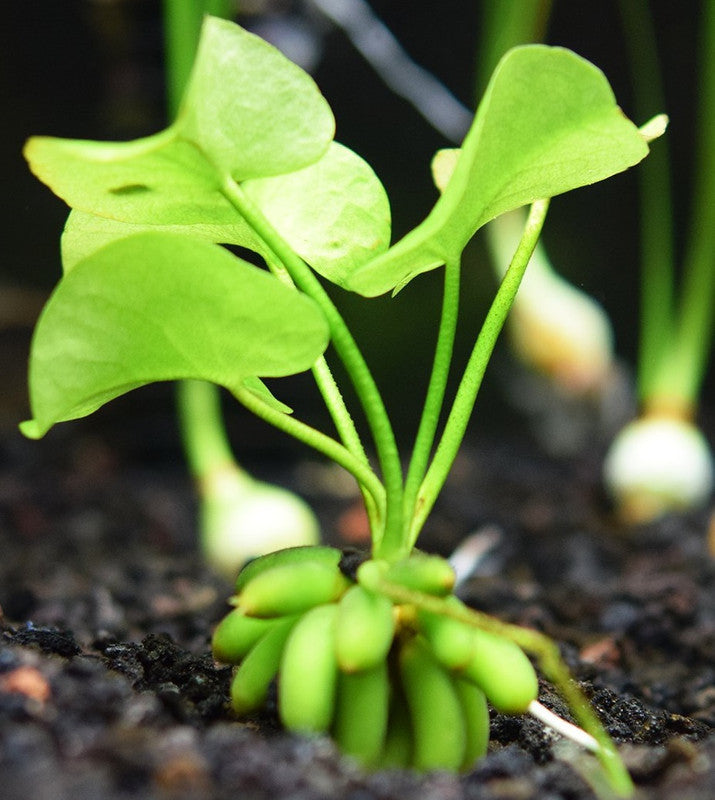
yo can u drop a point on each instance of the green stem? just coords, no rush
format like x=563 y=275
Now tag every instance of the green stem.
x=226 y=9
x=199 y=406
x=657 y=284
x=182 y=25
x=458 y=419
x=182 y=20
x=325 y=382
x=345 y=427
x=318 y=441
x=694 y=331
x=338 y=410
x=436 y=389
x=506 y=24
x=390 y=543
x=203 y=433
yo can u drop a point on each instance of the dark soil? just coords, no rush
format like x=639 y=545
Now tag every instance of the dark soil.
x=108 y=691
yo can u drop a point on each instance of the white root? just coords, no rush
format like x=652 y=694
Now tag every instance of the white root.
x=563 y=727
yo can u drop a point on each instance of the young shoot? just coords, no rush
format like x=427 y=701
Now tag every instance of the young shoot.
x=374 y=649
x=661 y=462
x=239 y=517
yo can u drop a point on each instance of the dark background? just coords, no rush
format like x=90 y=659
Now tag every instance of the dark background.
x=86 y=69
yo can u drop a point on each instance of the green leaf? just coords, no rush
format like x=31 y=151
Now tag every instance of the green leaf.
x=334 y=213
x=548 y=123
x=251 y=110
x=156 y=307
x=259 y=390
x=86 y=233
x=158 y=180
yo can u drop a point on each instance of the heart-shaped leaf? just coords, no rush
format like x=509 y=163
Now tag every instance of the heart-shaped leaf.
x=334 y=213
x=251 y=110
x=156 y=307
x=548 y=123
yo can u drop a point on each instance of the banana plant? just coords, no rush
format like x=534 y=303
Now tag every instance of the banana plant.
x=373 y=648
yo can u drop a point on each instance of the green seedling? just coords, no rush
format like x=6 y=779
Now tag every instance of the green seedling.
x=148 y=294
x=661 y=461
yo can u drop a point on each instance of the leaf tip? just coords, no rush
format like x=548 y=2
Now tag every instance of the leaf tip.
x=654 y=128
x=32 y=429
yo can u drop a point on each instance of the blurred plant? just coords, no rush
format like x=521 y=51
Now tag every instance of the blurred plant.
x=557 y=331
x=661 y=461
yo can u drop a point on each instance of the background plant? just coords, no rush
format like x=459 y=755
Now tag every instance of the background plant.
x=662 y=461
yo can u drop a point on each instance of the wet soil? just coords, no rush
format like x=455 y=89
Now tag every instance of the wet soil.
x=108 y=691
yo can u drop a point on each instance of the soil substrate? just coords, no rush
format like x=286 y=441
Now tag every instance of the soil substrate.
x=108 y=691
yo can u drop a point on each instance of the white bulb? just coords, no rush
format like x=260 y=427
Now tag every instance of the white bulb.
x=656 y=465
x=242 y=519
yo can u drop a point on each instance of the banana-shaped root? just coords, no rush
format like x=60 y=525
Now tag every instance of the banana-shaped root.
x=438 y=725
x=502 y=671
x=420 y=572
x=321 y=554
x=364 y=631
x=236 y=634
x=476 y=721
x=308 y=672
x=251 y=680
x=361 y=710
x=397 y=750
x=292 y=588
x=451 y=641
